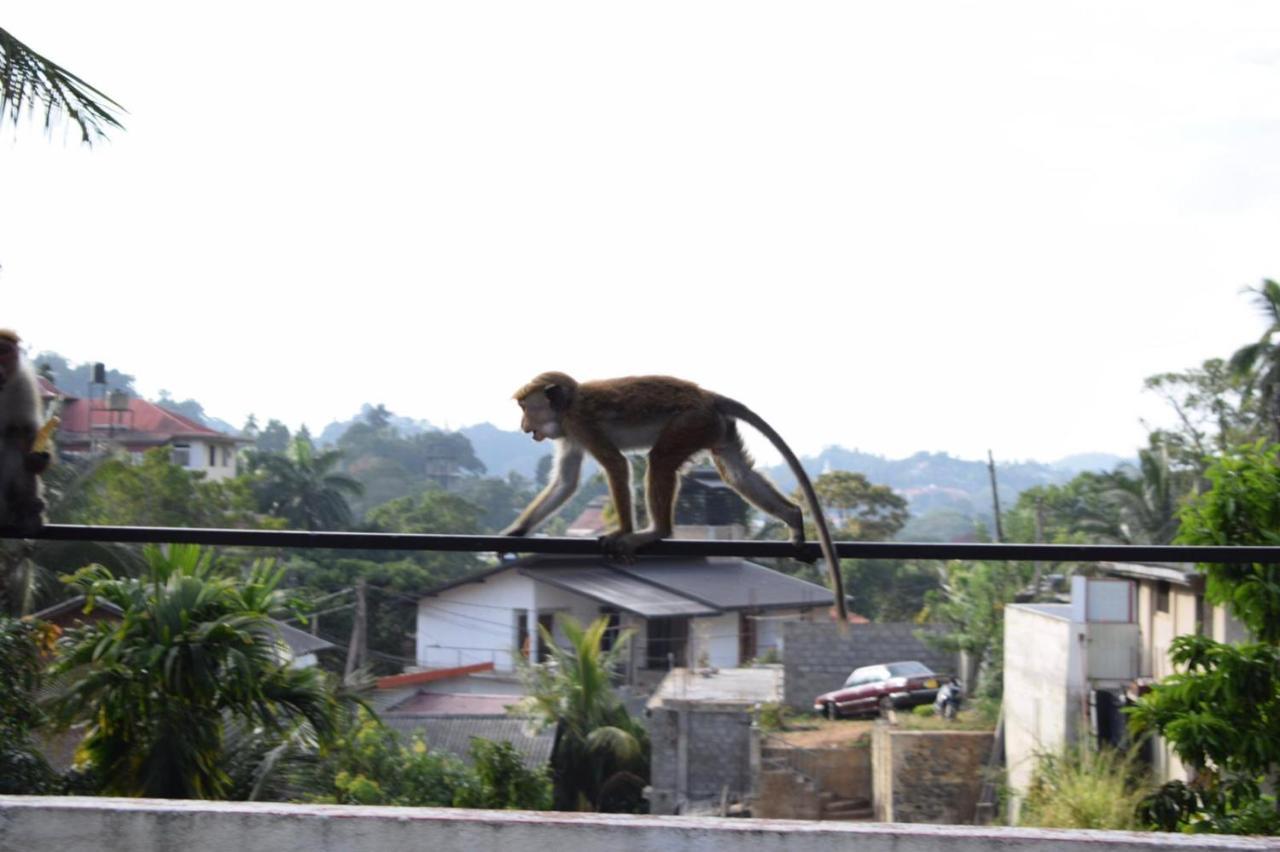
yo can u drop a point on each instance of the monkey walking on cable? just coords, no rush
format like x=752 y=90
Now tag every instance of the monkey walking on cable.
x=672 y=419
x=22 y=460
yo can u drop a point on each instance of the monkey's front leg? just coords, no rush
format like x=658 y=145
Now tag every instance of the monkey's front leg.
x=568 y=465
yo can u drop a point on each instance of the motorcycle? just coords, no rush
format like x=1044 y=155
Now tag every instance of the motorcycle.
x=947 y=702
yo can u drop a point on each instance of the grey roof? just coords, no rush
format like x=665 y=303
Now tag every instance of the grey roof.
x=728 y=583
x=301 y=642
x=705 y=585
x=615 y=588
x=76 y=604
x=455 y=733
x=1178 y=573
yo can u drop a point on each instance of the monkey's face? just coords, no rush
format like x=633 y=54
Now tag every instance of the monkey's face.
x=539 y=418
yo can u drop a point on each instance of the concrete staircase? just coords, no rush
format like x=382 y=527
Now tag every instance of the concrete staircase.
x=788 y=793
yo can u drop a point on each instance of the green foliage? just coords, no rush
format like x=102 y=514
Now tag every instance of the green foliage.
x=1214 y=413
x=303 y=486
x=393 y=585
x=23 y=770
x=194 y=650
x=1241 y=508
x=502 y=780
x=1221 y=711
x=34 y=84
x=157 y=492
x=274 y=438
x=601 y=756
x=1085 y=788
x=971 y=603
x=1259 y=363
x=773 y=716
x=369 y=765
x=858 y=509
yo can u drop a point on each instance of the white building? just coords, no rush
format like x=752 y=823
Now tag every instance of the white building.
x=683 y=611
x=1069 y=669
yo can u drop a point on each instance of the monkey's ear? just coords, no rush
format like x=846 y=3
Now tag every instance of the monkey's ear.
x=557 y=396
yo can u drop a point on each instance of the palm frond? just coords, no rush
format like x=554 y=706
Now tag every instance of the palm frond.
x=27 y=79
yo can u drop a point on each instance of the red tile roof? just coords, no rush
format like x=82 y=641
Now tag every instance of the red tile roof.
x=419 y=678
x=455 y=704
x=142 y=423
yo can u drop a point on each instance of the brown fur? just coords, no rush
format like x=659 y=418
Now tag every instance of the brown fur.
x=672 y=418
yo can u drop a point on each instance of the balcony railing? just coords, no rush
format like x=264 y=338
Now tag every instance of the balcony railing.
x=669 y=547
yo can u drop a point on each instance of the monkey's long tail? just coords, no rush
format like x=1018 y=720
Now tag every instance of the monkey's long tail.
x=738 y=411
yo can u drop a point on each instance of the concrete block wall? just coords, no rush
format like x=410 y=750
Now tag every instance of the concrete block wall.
x=696 y=751
x=928 y=776
x=719 y=753
x=817 y=656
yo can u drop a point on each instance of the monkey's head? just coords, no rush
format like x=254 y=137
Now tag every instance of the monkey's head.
x=8 y=354
x=543 y=402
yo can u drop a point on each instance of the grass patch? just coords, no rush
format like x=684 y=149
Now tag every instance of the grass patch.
x=1085 y=788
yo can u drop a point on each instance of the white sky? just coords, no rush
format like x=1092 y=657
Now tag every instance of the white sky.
x=897 y=227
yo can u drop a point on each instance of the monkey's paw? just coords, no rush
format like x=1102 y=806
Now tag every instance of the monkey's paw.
x=802 y=552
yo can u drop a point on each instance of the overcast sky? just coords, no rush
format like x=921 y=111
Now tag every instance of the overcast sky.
x=938 y=226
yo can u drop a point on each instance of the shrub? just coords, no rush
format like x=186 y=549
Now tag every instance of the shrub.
x=1085 y=788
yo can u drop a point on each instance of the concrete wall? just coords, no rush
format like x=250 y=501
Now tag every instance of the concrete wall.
x=928 y=776
x=698 y=751
x=1043 y=685
x=818 y=656
x=141 y=825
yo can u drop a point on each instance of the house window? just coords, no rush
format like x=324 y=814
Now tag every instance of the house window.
x=1162 y=596
x=546 y=627
x=747 y=638
x=213 y=456
x=666 y=640
x=182 y=455
x=226 y=457
x=610 y=637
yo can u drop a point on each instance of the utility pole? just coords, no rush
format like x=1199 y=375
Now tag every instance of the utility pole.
x=995 y=496
x=358 y=647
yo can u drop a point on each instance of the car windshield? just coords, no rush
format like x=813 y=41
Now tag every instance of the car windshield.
x=911 y=669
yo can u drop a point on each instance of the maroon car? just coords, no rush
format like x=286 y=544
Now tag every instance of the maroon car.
x=873 y=689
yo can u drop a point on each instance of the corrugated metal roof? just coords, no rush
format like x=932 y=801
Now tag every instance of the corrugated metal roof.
x=729 y=583
x=613 y=587
x=694 y=586
x=455 y=733
x=301 y=642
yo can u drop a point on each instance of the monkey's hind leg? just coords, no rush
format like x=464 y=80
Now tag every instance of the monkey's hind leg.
x=738 y=471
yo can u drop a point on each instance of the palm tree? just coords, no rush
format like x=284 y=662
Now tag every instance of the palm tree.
x=302 y=486
x=1145 y=500
x=600 y=761
x=1260 y=362
x=194 y=654
x=27 y=80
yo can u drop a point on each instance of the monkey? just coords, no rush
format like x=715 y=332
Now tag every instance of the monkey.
x=672 y=419
x=21 y=500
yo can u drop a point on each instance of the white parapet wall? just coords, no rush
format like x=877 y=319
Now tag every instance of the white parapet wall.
x=149 y=825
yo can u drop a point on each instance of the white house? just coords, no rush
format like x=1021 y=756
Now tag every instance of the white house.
x=124 y=421
x=684 y=611
x=1069 y=669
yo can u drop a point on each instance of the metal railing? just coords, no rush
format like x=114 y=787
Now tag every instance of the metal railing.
x=670 y=547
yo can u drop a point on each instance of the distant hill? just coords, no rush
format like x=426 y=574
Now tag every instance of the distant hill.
x=1089 y=461
x=503 y=451
x=407 y=426
x=934 y=482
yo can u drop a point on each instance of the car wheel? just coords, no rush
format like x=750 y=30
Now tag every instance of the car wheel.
x=886 y=705
x=831 y=711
